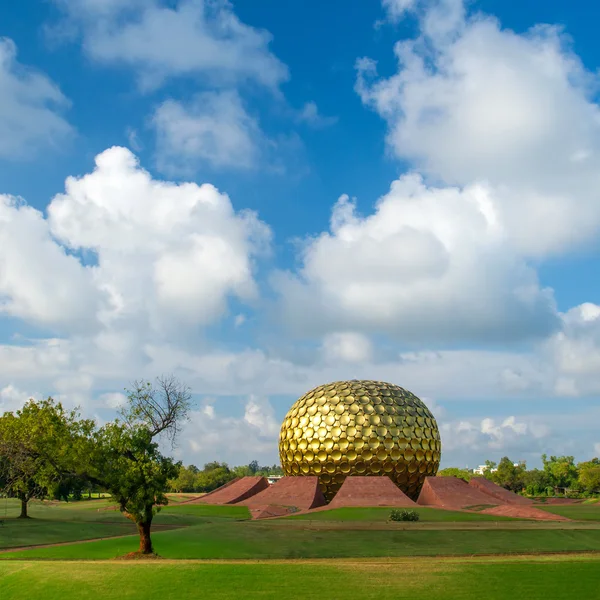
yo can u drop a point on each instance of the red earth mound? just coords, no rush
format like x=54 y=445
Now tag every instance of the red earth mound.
x=370 y=491
x=499 y=493
x=271 y=511
x=523 y=512
x=301 y=492
x=235 y=491
x=451 y=492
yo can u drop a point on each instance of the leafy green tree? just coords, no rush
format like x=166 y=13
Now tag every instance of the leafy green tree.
x=589 y=476
x=489 y=468
x=213 y=475
x=561 y=471
x=508 y=475
x=124 y=456
x=38 y=444
x=186 y=481
x=127 y=462
x=535 y=482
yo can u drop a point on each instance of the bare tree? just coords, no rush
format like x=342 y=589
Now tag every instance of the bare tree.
x=161 y=408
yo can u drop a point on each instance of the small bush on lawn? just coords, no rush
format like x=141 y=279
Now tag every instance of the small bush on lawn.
x=404 y=515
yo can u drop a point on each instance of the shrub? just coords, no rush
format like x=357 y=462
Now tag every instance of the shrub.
x=404 y=515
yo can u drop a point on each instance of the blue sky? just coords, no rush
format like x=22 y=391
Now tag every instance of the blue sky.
x=265 y=196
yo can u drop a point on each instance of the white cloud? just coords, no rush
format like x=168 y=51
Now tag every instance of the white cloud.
x=472 y=102
x=259 y=413
x=12 y=398
x=166 y=255
x=189 y=38
x=133 y=139
x=396 y=9
x=171 y=253
x=113 y=400
x=236 y=440
x=30 y=108
x=213 y=130
x=311 y=116
x=429 y=265
x=348 y=347
x=574 y=352
x=39 y=282
x=597 y=449
x=517 y=438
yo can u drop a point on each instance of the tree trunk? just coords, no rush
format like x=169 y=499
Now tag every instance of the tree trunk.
x=23 y=514
x=145 y=541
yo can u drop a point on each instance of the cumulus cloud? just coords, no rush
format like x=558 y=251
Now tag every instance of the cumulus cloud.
x=164 y=254
x=163 y=250
x=574 y=352
x=429 y=265
x=39 y=281
x=473 y=102
x=12 y=398
x=188 y=38
x=214 y=130
x=520 y=439
x=31 y=108
x=233 y=439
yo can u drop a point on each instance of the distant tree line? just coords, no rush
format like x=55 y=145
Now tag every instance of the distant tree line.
x=216 y=474
x=559 y=475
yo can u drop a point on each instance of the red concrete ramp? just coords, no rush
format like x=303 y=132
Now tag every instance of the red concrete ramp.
x=451 y=492
x=302 y=492
x=193 y=500
x=499 y=493
x=370 y=491
x=235 y=491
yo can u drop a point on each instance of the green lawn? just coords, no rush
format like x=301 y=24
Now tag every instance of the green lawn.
x=466 y=579
x=15 y=533
x=56 y=523
x=197 y=531
x=383 y=514
x=205 y=511
x=577 y=512
x=230 y=539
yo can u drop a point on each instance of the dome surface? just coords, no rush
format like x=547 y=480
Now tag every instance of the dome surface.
x=360 y=428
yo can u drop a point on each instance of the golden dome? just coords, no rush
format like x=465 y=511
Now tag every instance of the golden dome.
x=360 y=428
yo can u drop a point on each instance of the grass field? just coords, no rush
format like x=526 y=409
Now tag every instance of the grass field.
x=579 y=512
x=533 y=578
x=230 y=539
x=343 y=553
x=196 y=531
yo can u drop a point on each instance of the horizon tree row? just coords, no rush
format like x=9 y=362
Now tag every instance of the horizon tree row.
x=559 y=475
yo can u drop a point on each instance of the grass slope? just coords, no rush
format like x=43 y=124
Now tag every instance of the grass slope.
x=577 y=512
x=57 y=523
x=383 y=514
x=228 y=539
x=444 y=580
x=14 y=534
